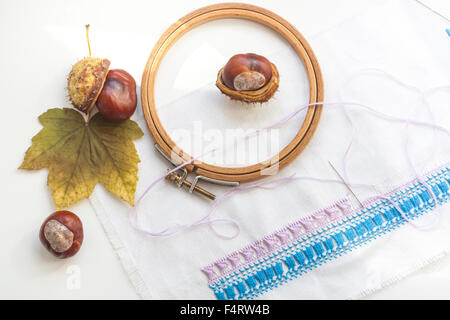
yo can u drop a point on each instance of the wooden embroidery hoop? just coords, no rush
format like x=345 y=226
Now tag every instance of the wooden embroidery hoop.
x=243 y=11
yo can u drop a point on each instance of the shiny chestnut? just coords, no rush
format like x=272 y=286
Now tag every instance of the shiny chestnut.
x=248 y=77
x=62 y=234
x=117 y=100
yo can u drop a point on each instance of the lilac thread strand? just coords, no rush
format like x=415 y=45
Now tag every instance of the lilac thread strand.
x=276 y=182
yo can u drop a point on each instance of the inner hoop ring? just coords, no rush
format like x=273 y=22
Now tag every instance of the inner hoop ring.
x=256 y=14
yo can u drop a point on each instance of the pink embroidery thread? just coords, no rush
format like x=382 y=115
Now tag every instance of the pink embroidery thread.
x=208 y=270
x=222 y=266
x=271 y=242
x=292 y=232
x=247 y=254
x=283 y=236
x=234 y=260
x=258 y=249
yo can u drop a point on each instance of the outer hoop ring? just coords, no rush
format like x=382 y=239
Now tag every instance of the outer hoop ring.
x=253 y=13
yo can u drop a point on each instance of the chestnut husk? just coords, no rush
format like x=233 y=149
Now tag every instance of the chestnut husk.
x=252 y=96
x=85 y=82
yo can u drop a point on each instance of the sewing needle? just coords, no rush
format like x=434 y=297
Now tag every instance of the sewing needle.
x=345 y=183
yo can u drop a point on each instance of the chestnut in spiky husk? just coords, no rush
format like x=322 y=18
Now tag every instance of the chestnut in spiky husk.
x=249 y=78
x=85 y=82
x=91 y=82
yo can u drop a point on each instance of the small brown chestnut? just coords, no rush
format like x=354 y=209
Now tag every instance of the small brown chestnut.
x=117 y=100
x=248 y=77
x=62 y=234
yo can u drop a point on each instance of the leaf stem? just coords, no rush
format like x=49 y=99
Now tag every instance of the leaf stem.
x=88 y=117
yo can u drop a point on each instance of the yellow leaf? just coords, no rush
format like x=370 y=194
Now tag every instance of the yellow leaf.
x=79 y=155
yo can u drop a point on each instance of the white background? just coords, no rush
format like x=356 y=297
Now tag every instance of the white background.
x=40 y=40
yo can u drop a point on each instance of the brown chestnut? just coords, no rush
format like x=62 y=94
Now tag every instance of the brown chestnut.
x=117 y=100
x=248 y=77
x=62 y=234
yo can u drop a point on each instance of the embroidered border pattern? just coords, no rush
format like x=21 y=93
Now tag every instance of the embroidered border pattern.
x=320 y=237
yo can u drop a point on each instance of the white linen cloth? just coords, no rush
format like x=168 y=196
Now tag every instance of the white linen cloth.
x=400 y=38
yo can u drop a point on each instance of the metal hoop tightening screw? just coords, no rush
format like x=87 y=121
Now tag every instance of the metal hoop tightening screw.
x=176 y=178
x=180 y=180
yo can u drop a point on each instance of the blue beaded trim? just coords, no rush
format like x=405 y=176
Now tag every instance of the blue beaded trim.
x=330 y=242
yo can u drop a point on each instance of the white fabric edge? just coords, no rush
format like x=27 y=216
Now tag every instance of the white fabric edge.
x=125 y=258
x=139 y=285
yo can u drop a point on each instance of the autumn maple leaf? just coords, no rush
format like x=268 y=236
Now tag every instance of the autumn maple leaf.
x=80 y=154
